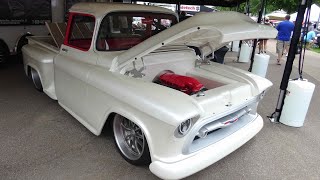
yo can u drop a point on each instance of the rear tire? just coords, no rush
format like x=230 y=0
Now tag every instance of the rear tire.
x=130 y=141
x=36 y=79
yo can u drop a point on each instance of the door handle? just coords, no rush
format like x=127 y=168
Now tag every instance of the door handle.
x=64 y=49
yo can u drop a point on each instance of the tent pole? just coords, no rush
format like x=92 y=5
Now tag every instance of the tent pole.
x=238 y=6
x=247 y=13
x=318 y=21
x=247 y=7
x=256 y=41
x=237 y=10
x=291 y=55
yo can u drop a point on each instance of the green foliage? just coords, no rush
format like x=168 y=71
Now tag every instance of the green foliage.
x=317 y=50
x=290 y=6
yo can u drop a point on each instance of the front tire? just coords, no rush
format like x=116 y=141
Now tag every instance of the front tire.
x=130 y=141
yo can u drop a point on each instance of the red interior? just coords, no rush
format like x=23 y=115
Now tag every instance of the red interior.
x=81 y=43
x=123 y=43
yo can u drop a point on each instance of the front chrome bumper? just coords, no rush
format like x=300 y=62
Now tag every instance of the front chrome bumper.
x=209 y=155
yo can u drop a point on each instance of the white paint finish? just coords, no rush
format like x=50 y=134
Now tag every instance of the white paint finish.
x=41 y=59
x=100 y=9
x=71 y=70
x=147 y=97
x=89 y=90
x=208 y=155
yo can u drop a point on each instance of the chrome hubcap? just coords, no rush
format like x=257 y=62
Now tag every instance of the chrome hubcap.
x=129 y=137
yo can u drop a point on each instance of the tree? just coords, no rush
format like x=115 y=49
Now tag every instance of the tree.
x=290 y=6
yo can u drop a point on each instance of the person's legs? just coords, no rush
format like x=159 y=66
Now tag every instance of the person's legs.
x=287 y=45
x=311 y=43
x=265 y=45
x=260 y=46
x=280 y=48
x=308 y=45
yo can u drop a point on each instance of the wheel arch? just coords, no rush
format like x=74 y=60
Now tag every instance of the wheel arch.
x=21 y=41
x=132 y=117
x=29 y=66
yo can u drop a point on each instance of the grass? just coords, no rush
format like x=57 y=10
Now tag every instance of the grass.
x=317 y=50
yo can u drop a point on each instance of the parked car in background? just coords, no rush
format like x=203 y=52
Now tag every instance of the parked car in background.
x=168 y=108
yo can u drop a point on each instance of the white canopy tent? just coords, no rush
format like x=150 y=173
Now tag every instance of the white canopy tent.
x=314 y=14
x=277 y=15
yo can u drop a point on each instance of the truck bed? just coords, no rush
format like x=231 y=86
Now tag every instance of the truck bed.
x=44 y=41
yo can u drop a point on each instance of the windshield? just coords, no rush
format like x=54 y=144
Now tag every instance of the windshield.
x=123 y=30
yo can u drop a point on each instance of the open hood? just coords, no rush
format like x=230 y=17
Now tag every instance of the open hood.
x=203 y=29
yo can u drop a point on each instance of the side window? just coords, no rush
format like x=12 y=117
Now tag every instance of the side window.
x=81 y=31
x=123 y=30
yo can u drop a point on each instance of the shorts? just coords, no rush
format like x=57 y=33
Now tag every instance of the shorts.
x=281 y=45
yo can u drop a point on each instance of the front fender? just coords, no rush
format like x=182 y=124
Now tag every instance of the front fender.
x=160 y=102
x=157 y=133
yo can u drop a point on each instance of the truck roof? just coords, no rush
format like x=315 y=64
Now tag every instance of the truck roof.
x=100 y=9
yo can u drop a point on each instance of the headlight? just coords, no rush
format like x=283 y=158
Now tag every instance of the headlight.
x=184 y=127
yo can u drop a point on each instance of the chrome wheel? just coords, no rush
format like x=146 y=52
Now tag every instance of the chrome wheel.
x=129 y=138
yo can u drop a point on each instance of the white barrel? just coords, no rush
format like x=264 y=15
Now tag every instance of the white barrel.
x=245 y=53
x=296 y=103
x=260 y=64
x=235 y=46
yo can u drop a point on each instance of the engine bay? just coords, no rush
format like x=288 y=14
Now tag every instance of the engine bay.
x=186 y=84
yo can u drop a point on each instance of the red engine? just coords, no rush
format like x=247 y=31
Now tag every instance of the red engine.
x=188 y=85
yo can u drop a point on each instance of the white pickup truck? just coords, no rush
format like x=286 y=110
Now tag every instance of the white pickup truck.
x=131 y=66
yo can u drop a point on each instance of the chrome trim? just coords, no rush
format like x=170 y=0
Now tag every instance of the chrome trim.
x=219 y=135
x=201 y=123
x=222 y=123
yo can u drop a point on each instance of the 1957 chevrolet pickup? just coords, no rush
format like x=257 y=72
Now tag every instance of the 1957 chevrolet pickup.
x=132 y=66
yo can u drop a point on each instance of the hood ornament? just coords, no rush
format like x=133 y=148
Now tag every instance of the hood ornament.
x=200 y=93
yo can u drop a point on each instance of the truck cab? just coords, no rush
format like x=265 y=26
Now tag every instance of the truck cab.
x=89 y=35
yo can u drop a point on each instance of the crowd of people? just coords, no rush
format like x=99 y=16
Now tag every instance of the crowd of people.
x=285 y=31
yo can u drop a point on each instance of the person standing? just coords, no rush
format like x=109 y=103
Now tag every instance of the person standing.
x=263 y=42
x=285 y=29
x=310 y=38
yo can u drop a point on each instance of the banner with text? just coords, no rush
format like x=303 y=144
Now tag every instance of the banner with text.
x=189 y=8
x=24 y=12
